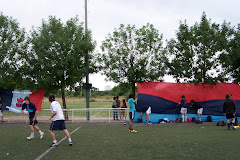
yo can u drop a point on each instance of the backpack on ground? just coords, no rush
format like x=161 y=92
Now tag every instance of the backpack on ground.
x=198 y=121
x=178 y=120
x=139 y=120
x=209 y=119
x=194 y=119
x=221 y=123
x=189 y=120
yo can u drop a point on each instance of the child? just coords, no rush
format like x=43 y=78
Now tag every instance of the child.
x=115 y=112
x=124 y=105
x=58 y=122
x=131 y=103
x=229 y=110
x=32 y=113
x=183 y=104
x=145 y=110
x=199 y=108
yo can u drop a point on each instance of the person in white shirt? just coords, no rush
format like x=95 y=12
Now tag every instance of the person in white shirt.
x=58 y=122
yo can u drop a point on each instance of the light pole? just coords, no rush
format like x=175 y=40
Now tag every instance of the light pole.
x=87 y=65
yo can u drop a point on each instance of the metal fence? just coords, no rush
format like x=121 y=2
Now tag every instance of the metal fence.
x=75 y=115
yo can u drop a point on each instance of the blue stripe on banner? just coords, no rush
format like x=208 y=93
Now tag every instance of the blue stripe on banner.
x=6 y=96
x=17 y=100
x=155 y=117
x=162 y=106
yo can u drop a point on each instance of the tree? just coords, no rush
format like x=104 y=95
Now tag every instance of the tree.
x=13 y=45
x=123 y=89
x=194 y=52
x=56 y=59
x=231 y=58
x=133 y=55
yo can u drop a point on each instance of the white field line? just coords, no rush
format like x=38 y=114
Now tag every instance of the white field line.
x=42 y=155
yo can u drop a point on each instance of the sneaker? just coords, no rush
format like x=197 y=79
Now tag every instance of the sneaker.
x=30 y=137
x=233 y=127
x=70 y=143
x=132 y=131
x=41 y=135
x=53 y=145
x=149 y=123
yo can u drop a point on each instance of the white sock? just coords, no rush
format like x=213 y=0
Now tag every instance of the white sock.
x=200 y=119
x=40 y=132
x=183 y=118
x=69 y=140
x=186 y=119
x=54 y=141
x=32 y=133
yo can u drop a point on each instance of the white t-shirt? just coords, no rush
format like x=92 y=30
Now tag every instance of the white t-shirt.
x=55 y=106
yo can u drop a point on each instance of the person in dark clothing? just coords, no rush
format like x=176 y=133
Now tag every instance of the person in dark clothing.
x=145 y=110
x=229 y=110
x=199 y=108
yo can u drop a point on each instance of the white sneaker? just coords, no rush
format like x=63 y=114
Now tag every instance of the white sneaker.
x=41 y=135
x=30 y=137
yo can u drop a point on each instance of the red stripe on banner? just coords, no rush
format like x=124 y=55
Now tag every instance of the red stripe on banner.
x=37 y=97
x=199 y=93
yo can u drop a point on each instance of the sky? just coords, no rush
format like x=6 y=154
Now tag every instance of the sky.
x=105 y=15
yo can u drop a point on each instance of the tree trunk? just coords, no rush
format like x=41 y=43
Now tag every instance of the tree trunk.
x=64 y=104
x=133 y=89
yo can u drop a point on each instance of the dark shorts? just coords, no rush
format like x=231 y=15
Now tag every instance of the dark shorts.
x=31 y=122
x=57 y=125
x=131 y=115
x=230 y=115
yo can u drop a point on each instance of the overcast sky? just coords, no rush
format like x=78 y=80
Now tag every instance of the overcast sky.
x=105 y=15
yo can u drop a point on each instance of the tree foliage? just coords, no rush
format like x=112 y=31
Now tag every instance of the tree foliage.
x=133 y=55
x=56 y=58
x=12 y=46
x=231 y=58
x=195 y=51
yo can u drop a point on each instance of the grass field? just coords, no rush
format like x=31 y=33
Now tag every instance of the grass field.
x=73 y=103
x=113 y=141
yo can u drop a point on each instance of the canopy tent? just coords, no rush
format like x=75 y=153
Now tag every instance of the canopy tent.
x=163 y=98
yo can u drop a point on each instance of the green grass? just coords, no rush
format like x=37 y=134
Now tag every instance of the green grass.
x=82 y=105
x=113 y=141
x=75 y=103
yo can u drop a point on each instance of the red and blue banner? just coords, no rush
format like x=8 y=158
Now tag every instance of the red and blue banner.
x=163 y=97
x=12 y=100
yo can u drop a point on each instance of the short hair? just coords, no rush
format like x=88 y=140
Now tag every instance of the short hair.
x=130 y=95
x=192 y=101
x=51 y=98
x=227 y=96
x=183 y=96
x=124 y=100
x=114 y=98
x=27 y=98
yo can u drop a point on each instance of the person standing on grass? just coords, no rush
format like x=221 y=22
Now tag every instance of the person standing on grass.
x=199 y=108
x=145 y=110
x=1 y=115
x=124 y=106
x=183 y=105
x=118 y=106
x=58 y=122
x=32 y=113
x=132 y=104
x=115 y=112
x=229 y=110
